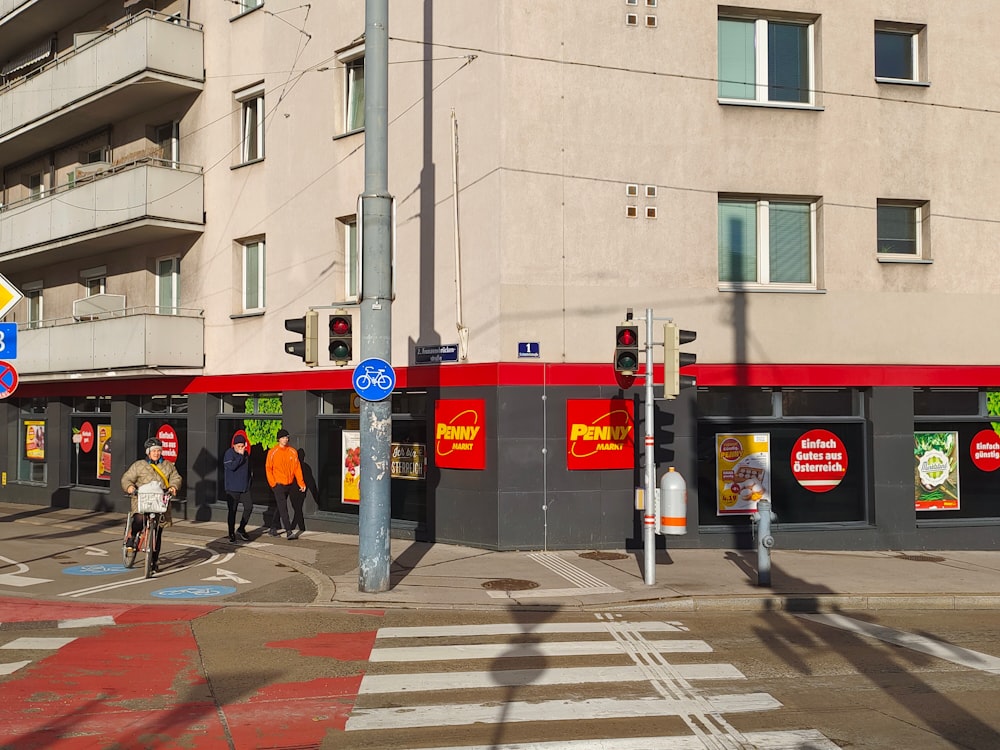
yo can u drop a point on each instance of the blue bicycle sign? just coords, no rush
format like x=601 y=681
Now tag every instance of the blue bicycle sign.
x=373 y=379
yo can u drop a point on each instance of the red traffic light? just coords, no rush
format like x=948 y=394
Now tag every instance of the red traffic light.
x=626 y=349
x=627 y=336
x=339 y=325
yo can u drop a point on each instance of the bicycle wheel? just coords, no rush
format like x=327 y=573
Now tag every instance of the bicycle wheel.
x=128 y=554
x=149 y=531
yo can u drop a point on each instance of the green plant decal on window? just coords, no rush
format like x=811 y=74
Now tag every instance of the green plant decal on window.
x=263 y=432
x=993 y=408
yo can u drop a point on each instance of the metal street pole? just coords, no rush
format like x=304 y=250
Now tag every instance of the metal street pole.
x=649 y=488
x=376 y=315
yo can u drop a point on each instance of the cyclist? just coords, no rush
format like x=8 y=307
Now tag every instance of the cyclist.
x=153 y=468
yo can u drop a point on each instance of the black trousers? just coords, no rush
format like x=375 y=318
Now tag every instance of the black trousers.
x=282 y=492
x=233 y=499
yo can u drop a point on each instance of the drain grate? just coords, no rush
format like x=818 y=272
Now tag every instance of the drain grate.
x=920 y=558
x=509 y=584
x=604 y=556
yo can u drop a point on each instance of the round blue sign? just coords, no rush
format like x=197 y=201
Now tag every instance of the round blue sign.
x=194 y=592
x=373 y=379
x=96 y=569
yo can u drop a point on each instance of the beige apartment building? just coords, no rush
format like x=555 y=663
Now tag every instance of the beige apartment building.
x=809 y=185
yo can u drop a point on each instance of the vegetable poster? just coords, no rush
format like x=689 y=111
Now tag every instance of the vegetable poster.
x=743 y=472
x=936 y=470
x=351 y=470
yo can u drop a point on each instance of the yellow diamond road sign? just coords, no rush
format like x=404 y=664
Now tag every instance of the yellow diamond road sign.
x=9 y=296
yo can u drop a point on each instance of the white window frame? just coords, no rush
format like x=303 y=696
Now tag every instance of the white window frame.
x=763 y=244
x=352 y=58
x=352 y=259
x=761 y=82
x=256 y=284
x=94 y=280
x=920 y=213
x=246 y=6
x=916 y=35
x=36 y=185
x=251 y=126
x=168 y=135
x=168 y=269
x=33 y=300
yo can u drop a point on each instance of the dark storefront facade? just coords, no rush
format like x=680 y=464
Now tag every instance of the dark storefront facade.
x=527 y=457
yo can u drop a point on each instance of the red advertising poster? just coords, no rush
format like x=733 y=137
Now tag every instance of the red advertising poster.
x=168 y=437
x=459 y=437
x=104 y=451
x=600 y=434
x=819 y=460
x=86 y=437
x=985 y=450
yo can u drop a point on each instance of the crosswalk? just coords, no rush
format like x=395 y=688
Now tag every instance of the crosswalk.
x=531 y=672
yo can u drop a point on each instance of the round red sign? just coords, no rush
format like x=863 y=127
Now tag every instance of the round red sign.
x=168 y=437
x=86 y=437
x=819 y=460
x=985 y=450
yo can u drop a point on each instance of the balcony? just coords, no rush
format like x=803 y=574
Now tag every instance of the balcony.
x=120 y=343
x=134 y=66
x=130 y=204
x=22 y=20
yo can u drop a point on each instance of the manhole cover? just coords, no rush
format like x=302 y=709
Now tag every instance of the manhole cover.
x=604 y=556
x=509 y=584
x=921 y=558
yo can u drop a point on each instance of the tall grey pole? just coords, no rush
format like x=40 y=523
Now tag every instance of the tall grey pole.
x=649 y=488
x=376 y=314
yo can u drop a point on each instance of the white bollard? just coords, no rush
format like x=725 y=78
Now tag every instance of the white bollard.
x=673 y=504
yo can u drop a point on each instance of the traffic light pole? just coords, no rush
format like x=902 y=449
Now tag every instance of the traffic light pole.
x=649 y=487
x=376 y=319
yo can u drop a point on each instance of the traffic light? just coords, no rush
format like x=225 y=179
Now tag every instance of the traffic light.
x=341 y=338
x=626 y=348
x=674 y=359
x=308 y=327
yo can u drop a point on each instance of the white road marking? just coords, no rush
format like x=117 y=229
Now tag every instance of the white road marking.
x=565 y=569
x=86 y=622
x=13 y=666
x=805 y=739
x=521 y=650
x=956 y=654
x=525 y=628
x=101 y=588
x=401 y=683
x=18 y=580
x=225 y=575
x=96 y=551
x=554 y=710
x=37 y=644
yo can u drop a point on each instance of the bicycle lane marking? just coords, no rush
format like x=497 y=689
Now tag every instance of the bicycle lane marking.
x=102 y=588
x=18 y=579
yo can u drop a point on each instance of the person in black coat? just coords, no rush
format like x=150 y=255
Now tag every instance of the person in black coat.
x=237 y=483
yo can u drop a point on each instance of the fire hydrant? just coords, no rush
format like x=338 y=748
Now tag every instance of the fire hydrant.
x=761 y=519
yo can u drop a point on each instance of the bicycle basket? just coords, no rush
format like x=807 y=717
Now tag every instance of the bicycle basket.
x=151 y=502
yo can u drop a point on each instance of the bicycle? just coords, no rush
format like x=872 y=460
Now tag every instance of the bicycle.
x=152 y=506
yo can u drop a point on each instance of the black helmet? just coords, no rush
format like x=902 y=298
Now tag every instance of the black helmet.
x=152 y=443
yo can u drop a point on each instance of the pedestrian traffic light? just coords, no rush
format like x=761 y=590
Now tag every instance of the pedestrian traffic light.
x=674 y=359
x=626 y=348
x=308 y=327
x=341 y=338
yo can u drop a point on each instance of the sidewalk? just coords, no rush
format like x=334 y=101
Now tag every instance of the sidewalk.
x=454 y=577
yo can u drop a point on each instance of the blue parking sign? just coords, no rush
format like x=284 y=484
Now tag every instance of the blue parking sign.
x=8 y=340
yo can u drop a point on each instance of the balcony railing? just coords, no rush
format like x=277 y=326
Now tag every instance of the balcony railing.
x=95 y=80
x=125 y=204
x=125 y=342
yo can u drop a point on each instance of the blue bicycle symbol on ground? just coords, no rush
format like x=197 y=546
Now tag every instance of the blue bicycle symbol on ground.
x=95 y=570
x=194 y=592
x=373 y=379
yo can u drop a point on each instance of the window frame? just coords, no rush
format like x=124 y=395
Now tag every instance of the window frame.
x=259 y=286
x=917 y=52
x=352 y=59
x=762 y=239
x=761 y=58
x=172 y=276
x=352 y=259
x=251 y=124
x=33 y=304
x=920 y=222
x=247 y=6
x=167 y=136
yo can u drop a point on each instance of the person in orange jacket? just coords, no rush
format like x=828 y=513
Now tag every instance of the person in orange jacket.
x=284 y=474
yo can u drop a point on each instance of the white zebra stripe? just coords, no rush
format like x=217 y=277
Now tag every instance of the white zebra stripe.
x=522 y=650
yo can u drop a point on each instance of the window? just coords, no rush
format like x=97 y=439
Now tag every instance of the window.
x=168 y=277
x=355 y=118
x=247 y=5
x=167 y=139
x=95 y=281
x=251 y=103
x=36 y=185
x=352 y=259
x=767 y=242
x=253 y=275
x=897 y=52
x=762 y=60
x=900 y=229
x=33 y=300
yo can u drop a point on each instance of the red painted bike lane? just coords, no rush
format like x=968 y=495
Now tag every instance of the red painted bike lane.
x=141 y=683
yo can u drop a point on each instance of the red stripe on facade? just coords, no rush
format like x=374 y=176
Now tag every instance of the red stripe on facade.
x=512 y=374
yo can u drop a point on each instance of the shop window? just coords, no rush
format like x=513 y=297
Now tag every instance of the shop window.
x=743 y=402
x=93 y=446
x=945 y=401
x=819 y=402
x=31 y=457
x=171 y=430
x=176 y=404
